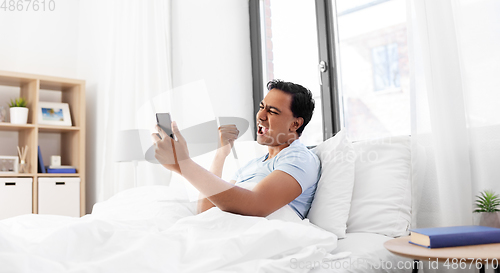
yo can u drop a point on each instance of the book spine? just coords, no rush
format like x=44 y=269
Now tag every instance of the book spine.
x=61 y=170
x=41 y=166
x=461 y=239
x=418 y=244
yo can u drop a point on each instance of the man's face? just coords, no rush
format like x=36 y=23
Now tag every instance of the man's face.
x=275 y=122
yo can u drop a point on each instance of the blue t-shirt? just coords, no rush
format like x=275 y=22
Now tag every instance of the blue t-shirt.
x=295 y=160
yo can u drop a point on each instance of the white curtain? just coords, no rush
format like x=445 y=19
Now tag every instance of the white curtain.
x=125 y=57
x=455 y=93
x=134 y=79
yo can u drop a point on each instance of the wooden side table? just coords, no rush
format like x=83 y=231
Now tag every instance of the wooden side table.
x=473 y=257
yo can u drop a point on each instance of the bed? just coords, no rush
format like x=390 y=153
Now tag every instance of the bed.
x=147 y=230
x=358 y=206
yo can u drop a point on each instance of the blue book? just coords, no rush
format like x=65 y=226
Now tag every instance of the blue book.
x=41 y=167
x=454 y=236
x=64 y=170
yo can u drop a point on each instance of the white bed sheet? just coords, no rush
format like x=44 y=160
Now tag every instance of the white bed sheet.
x=147 y=230
x=367 y=255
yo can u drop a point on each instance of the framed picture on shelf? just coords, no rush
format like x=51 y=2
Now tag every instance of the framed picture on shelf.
x=54 y=113
x=8 y=164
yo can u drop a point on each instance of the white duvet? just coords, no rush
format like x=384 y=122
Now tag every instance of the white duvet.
x=146 y=230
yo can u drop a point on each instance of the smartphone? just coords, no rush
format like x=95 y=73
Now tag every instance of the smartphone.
x=163 y=120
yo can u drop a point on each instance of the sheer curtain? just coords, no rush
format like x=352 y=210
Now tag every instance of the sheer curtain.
x=130 y=50
x=455 y=107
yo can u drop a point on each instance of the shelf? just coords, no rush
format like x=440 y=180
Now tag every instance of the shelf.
x=16 y=175
x=46 y=82
x=57 y=174
x=6 y=126
x=58 y=84
x=39 y=174
x=57 y=129
x=70 y=139
x=13 y=79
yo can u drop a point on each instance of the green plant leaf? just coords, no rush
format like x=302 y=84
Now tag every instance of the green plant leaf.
x=22 y=102
x=18 y=102
x=487 y=201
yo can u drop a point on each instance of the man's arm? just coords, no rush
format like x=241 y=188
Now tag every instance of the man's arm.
x=216 y=168
x=271 y=193
x=227 y=135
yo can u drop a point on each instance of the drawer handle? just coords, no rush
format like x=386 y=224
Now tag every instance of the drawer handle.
x=60 y=183
x=10 y=183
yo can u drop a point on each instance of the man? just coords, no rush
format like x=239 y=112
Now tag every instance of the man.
x=288 y=174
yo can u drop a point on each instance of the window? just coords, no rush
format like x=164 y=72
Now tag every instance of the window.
x=385 y=67
x=374 y=68
x=290 y=52
x=365 y=83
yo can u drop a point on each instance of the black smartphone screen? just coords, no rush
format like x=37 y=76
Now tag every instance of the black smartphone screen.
x=163 y=120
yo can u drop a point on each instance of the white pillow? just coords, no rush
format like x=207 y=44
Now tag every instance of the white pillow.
x=381 y=201
x=331 y=203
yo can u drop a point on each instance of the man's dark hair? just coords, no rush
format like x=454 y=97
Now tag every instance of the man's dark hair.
x=302 y=100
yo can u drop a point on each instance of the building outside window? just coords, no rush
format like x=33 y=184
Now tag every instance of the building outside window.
x=385 y=67
x=374 y=68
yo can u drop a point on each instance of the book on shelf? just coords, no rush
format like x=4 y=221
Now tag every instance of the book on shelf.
x=41 y=167
x=58 y=169
x=454 y=236
x=61 y=167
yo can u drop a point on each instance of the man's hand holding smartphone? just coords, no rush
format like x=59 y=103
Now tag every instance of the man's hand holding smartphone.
x=168 y=151
x=164 y=121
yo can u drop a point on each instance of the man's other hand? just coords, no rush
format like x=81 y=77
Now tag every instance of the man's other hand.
x=227 y=135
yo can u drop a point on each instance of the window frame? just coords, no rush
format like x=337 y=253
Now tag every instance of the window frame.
x=256 y=54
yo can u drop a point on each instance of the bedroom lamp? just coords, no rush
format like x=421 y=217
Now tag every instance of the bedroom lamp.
x=128 y=148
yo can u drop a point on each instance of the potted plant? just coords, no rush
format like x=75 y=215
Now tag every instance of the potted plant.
x=18 y=111
x=488 y=203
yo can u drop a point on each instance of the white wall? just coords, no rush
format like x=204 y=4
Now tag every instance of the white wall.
x=88 y=53
x=38 y=42
x=210 y=44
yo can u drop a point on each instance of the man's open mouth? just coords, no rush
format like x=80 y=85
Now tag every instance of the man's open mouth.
x=261 y=130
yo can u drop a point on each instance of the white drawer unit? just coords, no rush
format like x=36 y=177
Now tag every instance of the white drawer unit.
x=15 y=197
x=59 y=196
